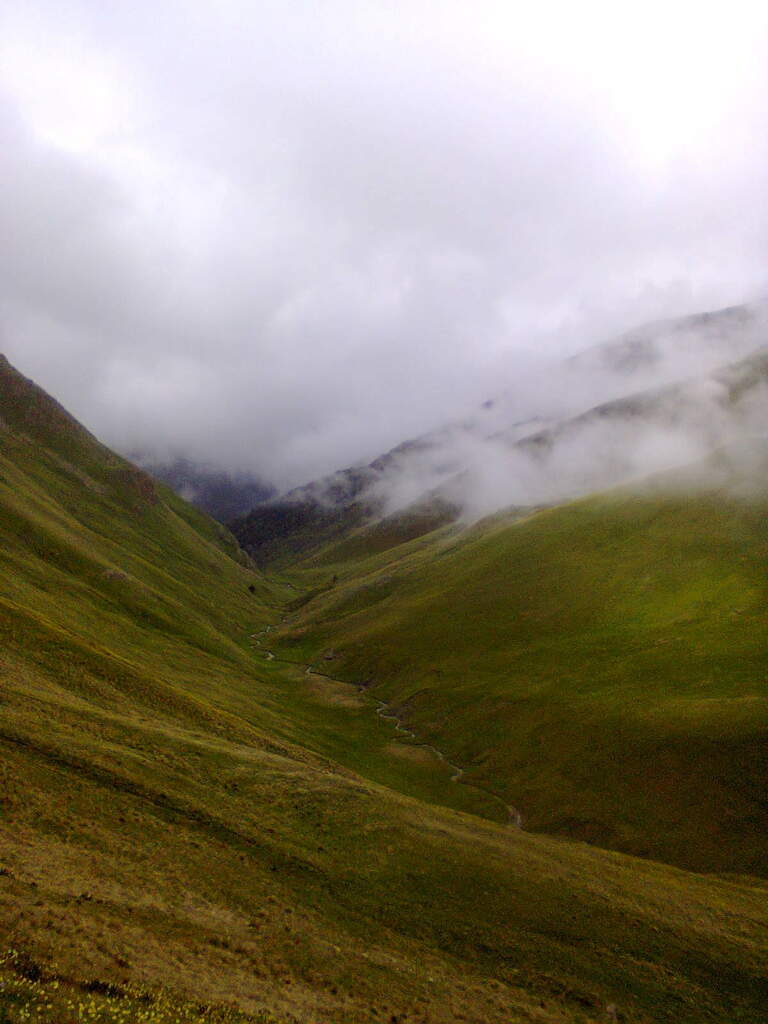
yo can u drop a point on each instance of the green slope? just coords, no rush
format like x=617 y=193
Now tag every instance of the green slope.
x=183 y=823
x=603 y=666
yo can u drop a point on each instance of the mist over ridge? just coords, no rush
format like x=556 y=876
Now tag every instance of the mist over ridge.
x=280 y=240
x=665 y=396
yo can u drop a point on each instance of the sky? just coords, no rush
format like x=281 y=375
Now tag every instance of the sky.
x=283 y=237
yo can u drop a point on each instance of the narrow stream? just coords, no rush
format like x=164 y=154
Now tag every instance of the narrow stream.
x=385 y=713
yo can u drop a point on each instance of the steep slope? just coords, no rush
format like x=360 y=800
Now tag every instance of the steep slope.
x=95 y=547
x=185 y=822
x=600 y=665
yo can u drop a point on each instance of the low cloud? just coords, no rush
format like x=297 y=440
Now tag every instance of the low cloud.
x=282 y=239
x=662 y=399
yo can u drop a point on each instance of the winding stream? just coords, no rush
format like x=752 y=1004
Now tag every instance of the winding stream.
x=385 y=713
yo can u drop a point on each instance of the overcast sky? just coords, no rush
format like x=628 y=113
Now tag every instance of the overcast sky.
x=284 y=236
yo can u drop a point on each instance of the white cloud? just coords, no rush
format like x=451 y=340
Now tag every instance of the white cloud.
x=284 y=237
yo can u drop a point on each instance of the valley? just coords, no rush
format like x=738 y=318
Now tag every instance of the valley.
x=383 y=513
x=384 y=712
x=192 y=830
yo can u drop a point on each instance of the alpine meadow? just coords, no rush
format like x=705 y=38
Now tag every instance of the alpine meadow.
x=512 y=770
x=383 y=512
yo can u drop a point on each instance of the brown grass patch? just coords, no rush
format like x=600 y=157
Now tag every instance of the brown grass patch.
x=409 y=752
x=341 y=695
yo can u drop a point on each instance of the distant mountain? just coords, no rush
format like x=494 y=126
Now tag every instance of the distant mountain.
x=630 y=407
x=703 y=339
x=225 y=496
x=327 y=509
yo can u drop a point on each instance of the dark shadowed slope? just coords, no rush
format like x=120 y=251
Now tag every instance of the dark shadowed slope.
x=223 y=495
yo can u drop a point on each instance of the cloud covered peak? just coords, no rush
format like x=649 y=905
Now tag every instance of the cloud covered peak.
x=280 y=238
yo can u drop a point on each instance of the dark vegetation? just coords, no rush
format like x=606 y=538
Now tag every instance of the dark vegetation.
x=281 y=530
x=224 y=496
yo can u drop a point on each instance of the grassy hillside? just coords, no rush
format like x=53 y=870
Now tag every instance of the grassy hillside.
x=603 y=666
x=189 y=831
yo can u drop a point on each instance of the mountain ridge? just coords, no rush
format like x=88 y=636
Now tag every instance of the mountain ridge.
x=435 y=470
